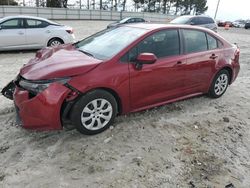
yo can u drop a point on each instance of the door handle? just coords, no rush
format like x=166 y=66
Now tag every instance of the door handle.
x=20 y=33
x=48 y=31
x=179 y=63
x=213 y=56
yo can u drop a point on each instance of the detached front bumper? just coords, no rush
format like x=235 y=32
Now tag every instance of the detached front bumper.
x=43 y=111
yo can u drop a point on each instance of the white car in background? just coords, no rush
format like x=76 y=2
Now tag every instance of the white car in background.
x=28 y=32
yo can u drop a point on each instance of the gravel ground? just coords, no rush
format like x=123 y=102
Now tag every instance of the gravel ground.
x=199 y=142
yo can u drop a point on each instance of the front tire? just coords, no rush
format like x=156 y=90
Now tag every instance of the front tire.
x=94 y=112
x=219 y=84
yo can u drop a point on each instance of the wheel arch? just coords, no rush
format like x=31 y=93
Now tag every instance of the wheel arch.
x=115 y=94
x=230 y=71
x=67 y=105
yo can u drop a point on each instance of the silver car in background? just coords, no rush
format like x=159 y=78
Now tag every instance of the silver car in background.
x=28 y=32
x=201 y=20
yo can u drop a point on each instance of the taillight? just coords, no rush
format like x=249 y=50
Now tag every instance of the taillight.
x=70 y=31
x=237 y=53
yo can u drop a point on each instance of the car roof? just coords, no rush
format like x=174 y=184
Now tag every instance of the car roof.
x=154 y=27
x=25 y=16
x=192 y=16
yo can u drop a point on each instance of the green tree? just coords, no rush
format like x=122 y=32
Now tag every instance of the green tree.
x=57 y=3
x=164 y=4
x=190 y=6
x=8 y=2
x=200 y=6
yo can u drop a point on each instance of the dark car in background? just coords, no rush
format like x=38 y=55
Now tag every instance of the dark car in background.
x=247 y=25
x=224 y=23
x=203 y=21
x=126 y=21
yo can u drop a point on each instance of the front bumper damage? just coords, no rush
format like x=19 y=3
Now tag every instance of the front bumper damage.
x=9 y=90
x=39 y=112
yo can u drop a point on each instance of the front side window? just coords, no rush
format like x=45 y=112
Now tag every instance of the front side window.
x=195 y=41
x=12 y=24
x=162 y=44
x=182 y=20
x=107 y=43
x=31 y=23
x=210 y=20
x=139 y=20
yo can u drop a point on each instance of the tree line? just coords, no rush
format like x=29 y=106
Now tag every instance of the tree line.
x=177 y=7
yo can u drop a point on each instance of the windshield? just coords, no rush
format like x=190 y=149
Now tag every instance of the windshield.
x=109 y=42
x=181 y=20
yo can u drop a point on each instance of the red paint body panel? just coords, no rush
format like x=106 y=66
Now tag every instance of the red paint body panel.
x=167 y=80
x=55 y=62
x=43 y=111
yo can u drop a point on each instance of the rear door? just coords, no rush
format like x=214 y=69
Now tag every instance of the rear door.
x=37 y=33
x=202 y=54
x=12 y=34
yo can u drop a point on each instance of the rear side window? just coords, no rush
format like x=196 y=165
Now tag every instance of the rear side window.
x=12 y=24
x=195 y=21
x=139 y=20
x=195 y=41
x=212 y=42
x=32 y=23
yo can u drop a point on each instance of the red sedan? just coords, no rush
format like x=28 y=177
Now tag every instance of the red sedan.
x=121 y=70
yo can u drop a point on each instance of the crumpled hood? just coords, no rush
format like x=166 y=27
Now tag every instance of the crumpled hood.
x=62 y=61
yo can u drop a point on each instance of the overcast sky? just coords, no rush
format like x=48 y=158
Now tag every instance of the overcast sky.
x=229 y=9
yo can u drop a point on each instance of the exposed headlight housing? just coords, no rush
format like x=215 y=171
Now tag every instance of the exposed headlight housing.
x=38 y=86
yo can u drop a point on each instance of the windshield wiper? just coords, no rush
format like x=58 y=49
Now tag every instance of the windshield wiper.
x=87 y=53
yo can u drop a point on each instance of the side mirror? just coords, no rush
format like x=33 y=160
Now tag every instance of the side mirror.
x=145 y=58
x=0 y=27
x=192 y=23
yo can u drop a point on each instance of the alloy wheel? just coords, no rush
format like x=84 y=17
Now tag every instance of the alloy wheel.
x=221 y=84
x=96 y=114
x=55 y=43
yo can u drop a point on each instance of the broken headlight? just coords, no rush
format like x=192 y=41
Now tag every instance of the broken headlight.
x=39 y=86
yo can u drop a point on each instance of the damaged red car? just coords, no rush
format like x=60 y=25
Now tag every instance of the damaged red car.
x=121 y=70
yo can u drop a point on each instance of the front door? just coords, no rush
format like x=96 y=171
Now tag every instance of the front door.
x=161 y=81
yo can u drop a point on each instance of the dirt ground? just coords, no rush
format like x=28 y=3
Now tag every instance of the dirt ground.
x=199 y=142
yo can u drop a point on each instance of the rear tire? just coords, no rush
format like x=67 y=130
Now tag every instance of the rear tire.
x=94 y=112
x=55 y=42
x=219 y=84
